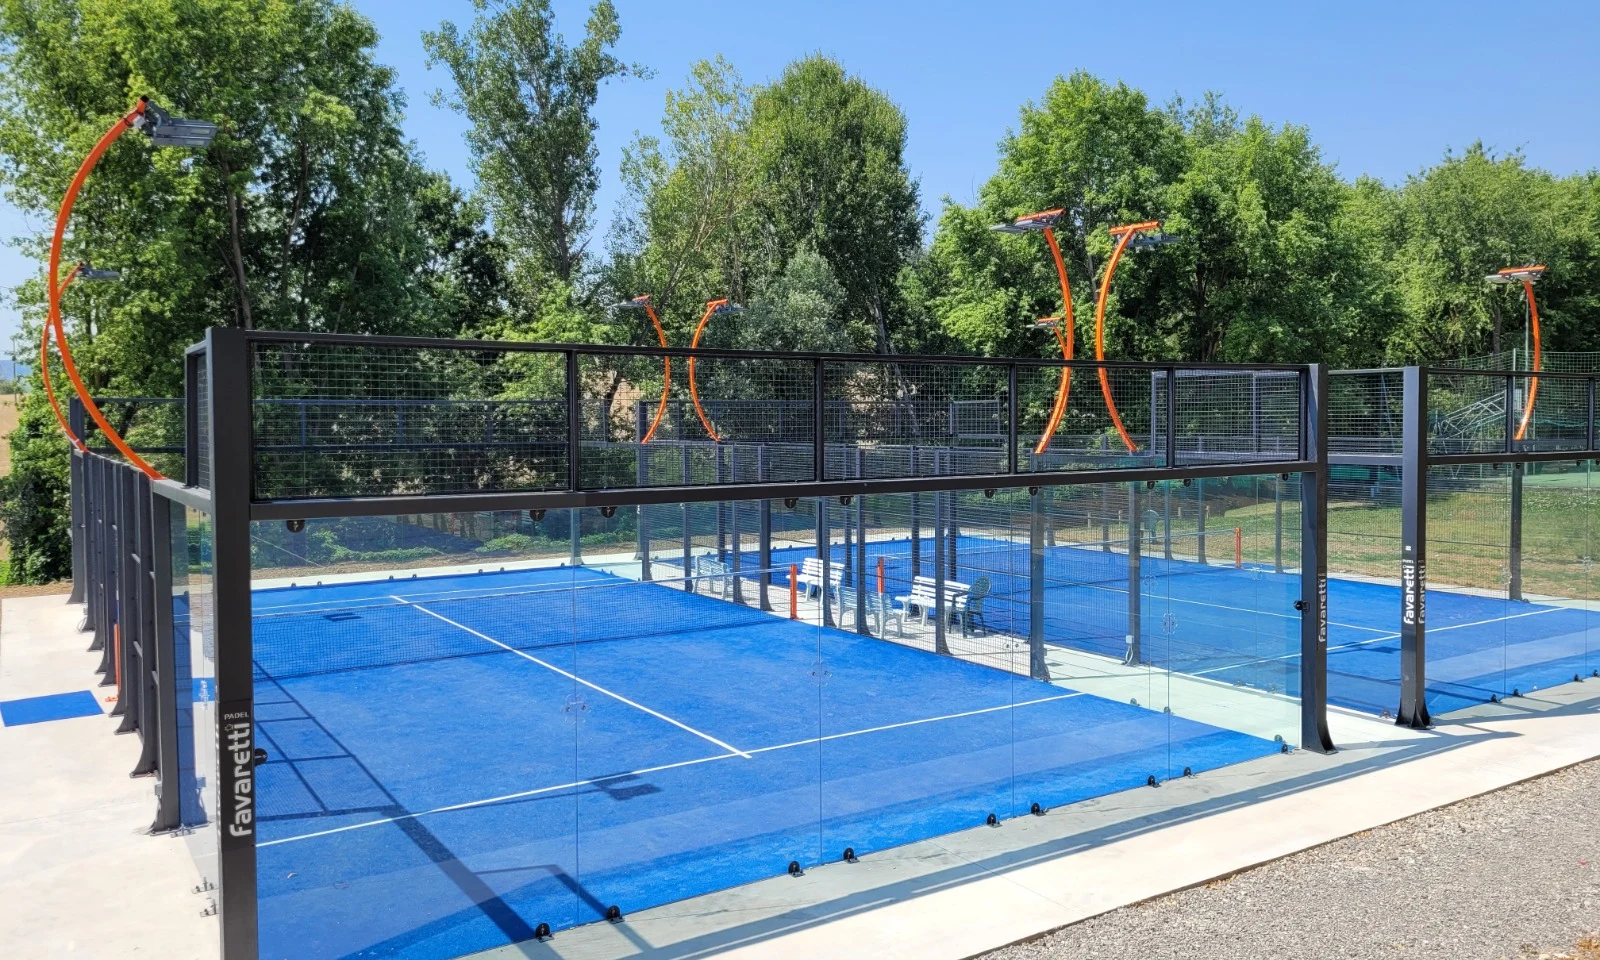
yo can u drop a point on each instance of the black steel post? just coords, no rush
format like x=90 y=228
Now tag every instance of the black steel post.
x=825 y=555
x=916 y=519
x=1277 y=525
x=164 y=674
x=941 y=645
x=1314 y=567
x=733 y=528
x=1413 y=710
x=1038 y=666
x=1514 y=560
x=688 y=543
x=1134 y=654
x=1166 y=519
x=1013 y=453
x=76 y=495
x=720 y=473
x=819 y=435
x=642 y=521
x=764 y=550
x=228 y=376
x=861 y=549
x=1200 y=517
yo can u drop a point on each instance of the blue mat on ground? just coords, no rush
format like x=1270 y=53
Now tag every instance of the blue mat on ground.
x=54 y=706
x=419 y=806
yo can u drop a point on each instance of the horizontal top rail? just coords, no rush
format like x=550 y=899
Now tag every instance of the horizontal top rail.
x=1503 y=374
x=708 y=353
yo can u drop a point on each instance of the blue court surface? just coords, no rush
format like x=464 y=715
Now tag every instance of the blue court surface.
x=453 y=761
x=55 y=706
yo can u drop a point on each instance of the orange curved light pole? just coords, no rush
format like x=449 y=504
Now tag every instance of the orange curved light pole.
x=1045 y=221
x=1124 y=234
x=44 y=366
x=118 y=128
x=643 y=303
x=1527 y=276
x=712 y=306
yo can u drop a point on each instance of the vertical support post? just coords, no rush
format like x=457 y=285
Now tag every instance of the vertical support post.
x=861 y=549
x=1038 y=667
x=688 y=542
x=737 y=541
x=825 y=556
x=1589 y=417
x=575 y=537
x=1511 y=413
x=193 y=362
x=819 y=439
x=1105 y=518
x=1277 y=523
x=1413 y=710
x=764 y=547
x=76 y=494
x=1172 y=417
x=1134 y=655
x=916 y=518
x=1200 y=517
x=1166 y=519
x=229 y=379
x=1313 y=603
x=1012 y=455
x=1514 y=560
x=642 y=523
x=720 y=474
x=168 y=814
x=574 y=421
x=941 y=645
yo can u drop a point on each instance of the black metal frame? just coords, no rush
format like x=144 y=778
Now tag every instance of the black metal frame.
x=1413 y=462
x=225 y=360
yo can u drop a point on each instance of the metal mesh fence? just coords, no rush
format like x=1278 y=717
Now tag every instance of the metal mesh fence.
x=202 y=419
x=1366 y=411
x=152 y=426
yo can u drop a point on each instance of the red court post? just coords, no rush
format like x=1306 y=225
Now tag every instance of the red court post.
x=794 y=592
x=1238 y=547
x=880 y=575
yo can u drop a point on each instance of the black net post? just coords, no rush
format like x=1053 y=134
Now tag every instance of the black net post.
x=861 y=549
x=1413 y=710
x=643 y=522
x=1038 y=668
x=1514 y=559
x=688 y=545
x=1134 y=655
x=1313 y=602
x=764 y=548
x=1200 y=518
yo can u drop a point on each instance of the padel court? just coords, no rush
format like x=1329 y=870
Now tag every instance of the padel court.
x=502 y=751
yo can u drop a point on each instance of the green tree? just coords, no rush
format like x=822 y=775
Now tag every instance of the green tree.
x=310 y=210
x=831 y=174
x=1470 y=215
x=530 y=99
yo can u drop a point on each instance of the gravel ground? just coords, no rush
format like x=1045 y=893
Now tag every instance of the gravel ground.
x=1511 y=874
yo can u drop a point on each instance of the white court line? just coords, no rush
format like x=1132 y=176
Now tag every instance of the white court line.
x=1371 y=640
x=666 y=766
x=574 y=677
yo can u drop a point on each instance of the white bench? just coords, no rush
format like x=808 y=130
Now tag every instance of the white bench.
x=714 y=574
x=878 y=608
x=963 y=603
x=809 y=580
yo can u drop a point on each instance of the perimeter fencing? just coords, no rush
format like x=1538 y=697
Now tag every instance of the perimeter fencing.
x=1136 y=547
x=1469 y=492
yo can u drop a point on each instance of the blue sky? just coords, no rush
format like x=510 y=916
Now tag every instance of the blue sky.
x=1385 y=87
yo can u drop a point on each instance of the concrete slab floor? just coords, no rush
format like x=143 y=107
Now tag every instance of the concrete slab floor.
x=80 y=874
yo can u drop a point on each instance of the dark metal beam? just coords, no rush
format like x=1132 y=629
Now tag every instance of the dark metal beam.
x=1314 y=733
x=1413 y=708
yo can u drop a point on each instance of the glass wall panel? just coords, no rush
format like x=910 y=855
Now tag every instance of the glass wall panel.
x=420 y=789
x=1469 y=577
x=1547 y=633
x=698 y=747
x=194 y=685
x=1364 y=580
